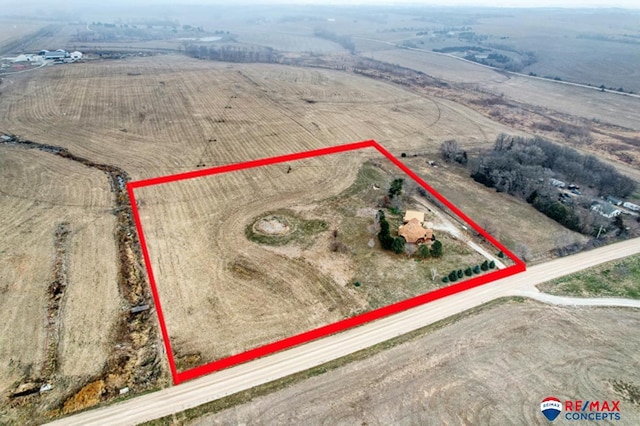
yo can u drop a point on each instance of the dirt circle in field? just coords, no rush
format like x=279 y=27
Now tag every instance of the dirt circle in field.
x=273 y=225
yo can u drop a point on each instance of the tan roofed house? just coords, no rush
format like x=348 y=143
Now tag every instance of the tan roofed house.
x=413 y=232
x=413 y=214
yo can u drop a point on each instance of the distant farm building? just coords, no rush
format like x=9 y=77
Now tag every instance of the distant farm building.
x=58 y=54
x=631 y=206
x=76 y=56
x=613 y=200
x=22 y=58
x=606 y=210
x=413 y=230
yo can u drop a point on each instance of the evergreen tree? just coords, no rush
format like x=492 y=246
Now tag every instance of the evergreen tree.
x=485 y=266
x=423 y=251
x=436 y=249
x=398 y=245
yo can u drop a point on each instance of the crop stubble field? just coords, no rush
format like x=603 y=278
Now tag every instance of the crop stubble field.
x=491 y=367
x=168 y=114
x=38 y=192
x=223 y=294
x=615 y=109
x=217 y=113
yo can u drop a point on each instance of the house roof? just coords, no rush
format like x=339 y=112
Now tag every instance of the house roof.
x=413 y=214
x=412 y=231
x=605 y=208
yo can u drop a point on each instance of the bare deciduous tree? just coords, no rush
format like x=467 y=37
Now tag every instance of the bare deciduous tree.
x=449 y=149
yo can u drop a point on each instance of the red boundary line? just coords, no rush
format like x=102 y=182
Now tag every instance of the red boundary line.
x=179 y=377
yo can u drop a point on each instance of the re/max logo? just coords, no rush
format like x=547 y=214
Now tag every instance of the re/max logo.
x=579 y=405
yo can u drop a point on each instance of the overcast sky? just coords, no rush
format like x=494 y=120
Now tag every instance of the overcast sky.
x=635 y=4
x=491 y=3
x=632 y=4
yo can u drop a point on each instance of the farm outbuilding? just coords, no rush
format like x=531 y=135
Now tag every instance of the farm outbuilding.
x=631 y=206
x=606 y=210
x=413 y=214
x=58 y=54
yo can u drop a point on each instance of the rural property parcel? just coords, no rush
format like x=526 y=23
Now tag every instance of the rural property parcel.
x=253 y=253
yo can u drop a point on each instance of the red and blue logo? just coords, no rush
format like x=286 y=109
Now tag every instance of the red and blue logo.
x=551 y=408
x=578 y=409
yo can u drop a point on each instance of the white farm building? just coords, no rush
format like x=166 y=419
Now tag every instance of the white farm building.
x=631 y=206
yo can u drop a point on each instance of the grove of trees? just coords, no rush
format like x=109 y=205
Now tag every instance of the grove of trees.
x=523 y=167
x=233 y=53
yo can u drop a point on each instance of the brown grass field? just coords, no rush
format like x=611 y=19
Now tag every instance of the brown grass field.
x=12 y=30
x=214 y=113
x=498 y=213
x=581 y=102
x=38 y=192
x=492 y=367
x=167 y=114
x=222 y=293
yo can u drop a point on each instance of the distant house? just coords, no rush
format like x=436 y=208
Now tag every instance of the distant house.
x=613 y=200
x=557 y=183
x=76 y=56
x=631 y=206
x=606 y=210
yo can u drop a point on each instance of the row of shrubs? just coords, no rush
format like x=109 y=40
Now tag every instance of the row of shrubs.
x=456 y=275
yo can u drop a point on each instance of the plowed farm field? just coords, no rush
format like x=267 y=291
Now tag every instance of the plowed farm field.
x=166 y=114
x=39 y=194
x=245 y=258
x=162 y=115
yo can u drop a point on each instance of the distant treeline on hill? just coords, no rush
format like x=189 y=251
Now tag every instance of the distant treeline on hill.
x=461 y=49
x=343 y=40
x=231 y=53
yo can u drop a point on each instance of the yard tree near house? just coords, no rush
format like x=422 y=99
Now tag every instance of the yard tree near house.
x=398 y=245
x=423 y=251
x=396 y=187
x=436 y=249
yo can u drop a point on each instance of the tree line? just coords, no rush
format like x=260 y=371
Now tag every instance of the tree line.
x=343 y=40
x=230 y=53
x=520 y=166
x=523 y=167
